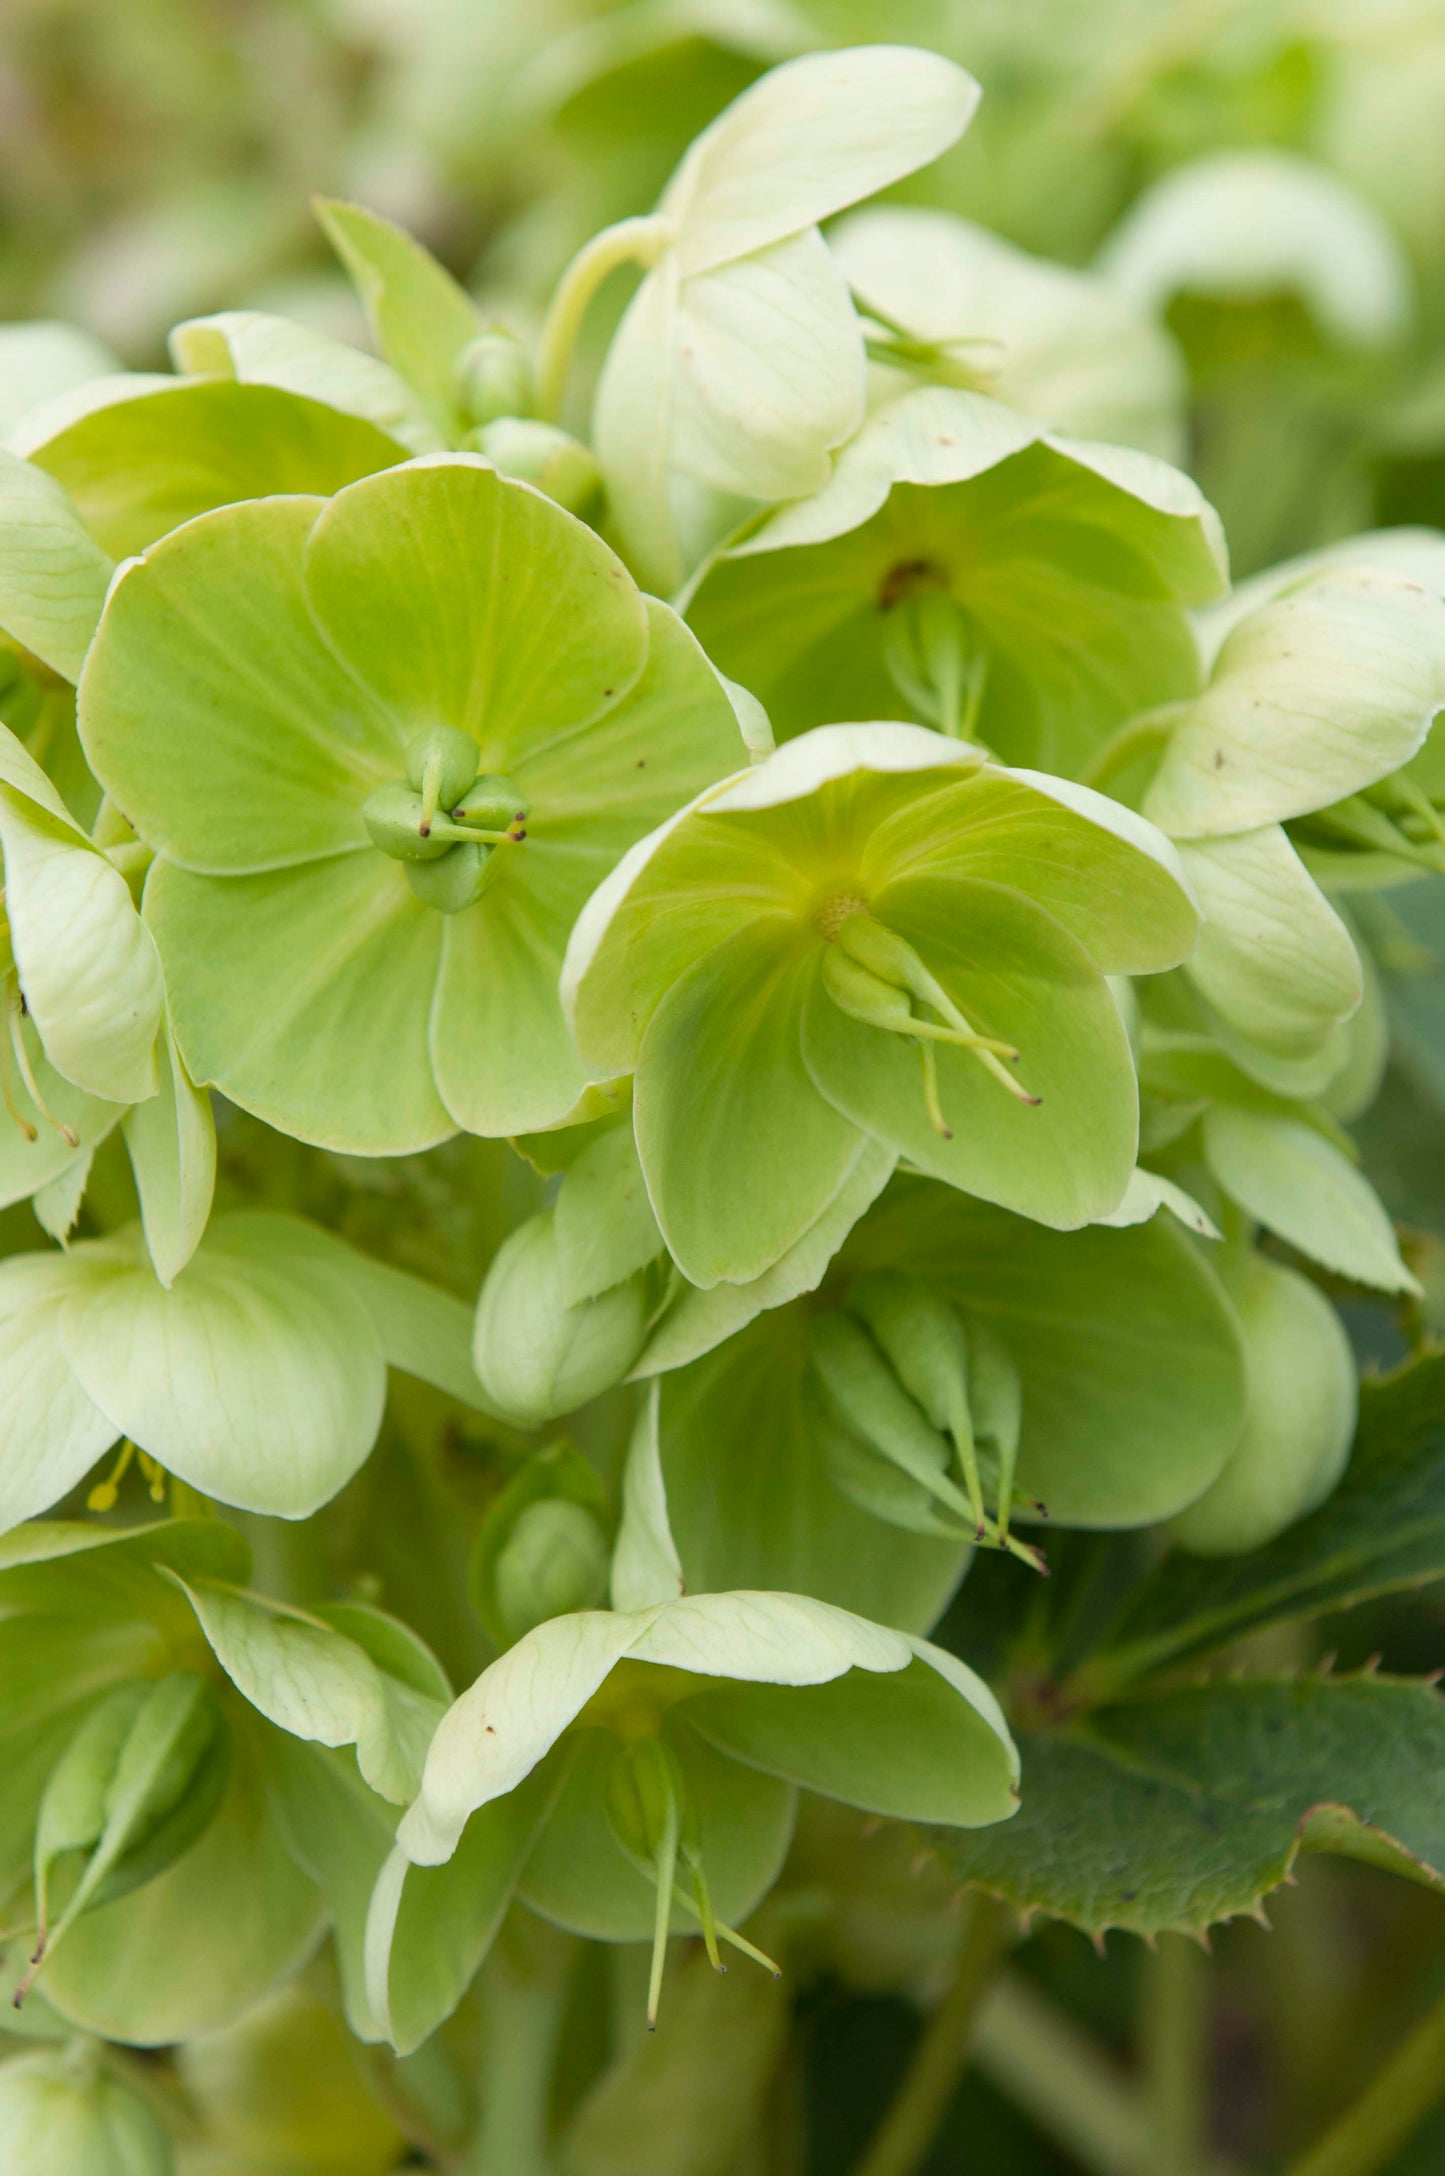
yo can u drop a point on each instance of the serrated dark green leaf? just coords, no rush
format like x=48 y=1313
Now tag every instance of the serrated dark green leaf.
x=1181 y=1809
x=1383 y=1529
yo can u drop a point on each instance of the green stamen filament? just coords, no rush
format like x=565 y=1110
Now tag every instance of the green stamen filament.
x=104 y=1495
x=14 y=1006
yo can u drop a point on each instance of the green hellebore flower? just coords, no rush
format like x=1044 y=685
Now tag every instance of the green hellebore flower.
x=60 y=2109
x=740 y=362
x=1016 y=586
x=1321 y=692
x=1288 y=1165
x=874 y=933
x=1300 y=1422
x=955 y=304
x=1125 y=1352
x=663 y=1745
x=258 y=1377
x=171 y=1706
x=276 y=697
x=1245 y=226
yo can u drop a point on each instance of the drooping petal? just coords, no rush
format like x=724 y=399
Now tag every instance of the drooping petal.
x=53 y=575
x=258 y=1377
x=1273 y=957
x=51 y=1433
x=926 y=1744
x=140 y=455
x=1016 y=975
x=305 y=996
x=1321 y=692
x=213 y=713
x=1284 y=1172
x=464 y=598
x=741 y=1153
x=811 y=136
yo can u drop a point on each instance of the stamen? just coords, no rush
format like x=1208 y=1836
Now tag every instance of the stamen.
x=928 y=1060
x=16 y=1009
x=155 y=1476
x=704 y=1910
x=7 y=1084
x=105 y=1493
x=665 y=1875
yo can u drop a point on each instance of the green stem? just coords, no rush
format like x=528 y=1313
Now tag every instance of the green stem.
x=902 y=2140
x=1059 y=2077
x=1173 y=2046
x=524 y=1999
x=1389 y=2110
x=631 y=241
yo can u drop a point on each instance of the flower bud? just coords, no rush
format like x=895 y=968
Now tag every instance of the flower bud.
x=61 y=2114
x=1300 y=1412
x=493 y=378
x=535 y=1356
x=554 y=1561
x=540 y=454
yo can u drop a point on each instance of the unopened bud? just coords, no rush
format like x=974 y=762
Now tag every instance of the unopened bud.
x=541 y=454
x=535 y=1356
x=1301 y=1404
x=554 y=1561
x=61 y=2111
x=493 y=378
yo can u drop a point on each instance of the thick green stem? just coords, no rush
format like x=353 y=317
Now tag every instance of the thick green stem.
x=1058 y=2076
x=901 y=2143
x=525 y=1990
x=1389 y=2111
x=631 y=241
x=1174 y=2049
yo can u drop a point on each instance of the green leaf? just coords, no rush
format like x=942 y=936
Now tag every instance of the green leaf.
x=1179 y=1809
x=53 y=575
x=258 y=1377
x=419 y=315
x=313 y=1681
x=1285 y=1173
x=158 y=451
x=1383 y=1529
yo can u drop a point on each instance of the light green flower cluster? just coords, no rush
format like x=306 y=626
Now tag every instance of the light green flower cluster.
x=901 y=957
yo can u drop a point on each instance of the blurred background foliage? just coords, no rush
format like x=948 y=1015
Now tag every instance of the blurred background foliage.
x=158 y=160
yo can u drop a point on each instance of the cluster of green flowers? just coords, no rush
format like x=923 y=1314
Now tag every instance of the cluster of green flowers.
x=913 y=1094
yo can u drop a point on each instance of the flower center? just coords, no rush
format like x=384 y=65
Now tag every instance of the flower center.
x=444 y=822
